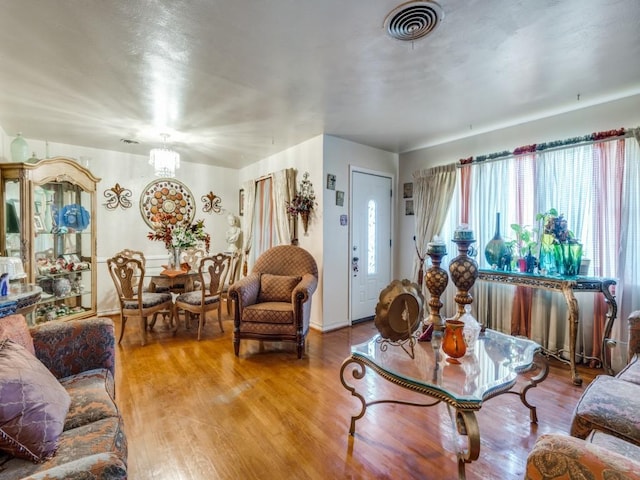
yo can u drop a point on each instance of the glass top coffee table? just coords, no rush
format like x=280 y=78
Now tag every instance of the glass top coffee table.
x=492 y=369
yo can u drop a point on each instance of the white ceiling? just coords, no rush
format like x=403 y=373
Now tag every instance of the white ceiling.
x=233 y=81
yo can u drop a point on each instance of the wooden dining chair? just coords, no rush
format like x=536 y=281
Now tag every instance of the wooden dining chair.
x=128 y=277
x=234 y=274
x=212 y=273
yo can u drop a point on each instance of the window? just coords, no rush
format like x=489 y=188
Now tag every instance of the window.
x=371 y=237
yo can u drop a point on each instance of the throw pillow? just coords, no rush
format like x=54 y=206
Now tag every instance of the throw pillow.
x=15 y=328
x=33 y=405
x=277 y=288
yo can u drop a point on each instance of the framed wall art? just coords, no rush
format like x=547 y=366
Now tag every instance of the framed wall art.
x=339 y=198
x=241 y=202
x=331 y=181
x=408 y=207
x=407 y=191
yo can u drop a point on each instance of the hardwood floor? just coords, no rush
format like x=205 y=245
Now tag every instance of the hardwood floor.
x=193 y=411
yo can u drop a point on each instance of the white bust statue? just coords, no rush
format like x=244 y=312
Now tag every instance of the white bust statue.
x=233 y=233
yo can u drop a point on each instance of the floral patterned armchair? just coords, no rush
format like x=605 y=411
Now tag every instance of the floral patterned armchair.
x=273 y=303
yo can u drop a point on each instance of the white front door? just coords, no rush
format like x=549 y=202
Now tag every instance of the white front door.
x=370 y=242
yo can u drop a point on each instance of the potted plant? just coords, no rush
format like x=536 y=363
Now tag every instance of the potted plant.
x=524 y=246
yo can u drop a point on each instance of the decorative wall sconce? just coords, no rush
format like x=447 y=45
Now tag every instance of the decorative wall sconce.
x=212 y=203
x=117 y=196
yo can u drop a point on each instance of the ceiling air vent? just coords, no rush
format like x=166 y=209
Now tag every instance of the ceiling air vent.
x=413 y=20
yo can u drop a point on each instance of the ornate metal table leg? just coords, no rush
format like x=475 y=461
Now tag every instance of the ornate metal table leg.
x=541 y=362
x=358 y=373
x=574 y=315
x=466 y=425
x=611 y=318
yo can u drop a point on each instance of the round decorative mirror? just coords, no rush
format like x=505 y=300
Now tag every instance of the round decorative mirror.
x=399 y=310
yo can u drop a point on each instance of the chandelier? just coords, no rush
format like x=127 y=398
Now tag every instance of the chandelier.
x=164 y=161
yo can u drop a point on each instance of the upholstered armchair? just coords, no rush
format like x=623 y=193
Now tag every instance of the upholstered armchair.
x=273 y=302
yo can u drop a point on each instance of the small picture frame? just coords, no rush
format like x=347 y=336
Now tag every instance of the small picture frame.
x=38 y=224
x=408 y=207
x=241 y=202
x=339 y=198
x=343 y=220
x=407 y=191
x=331 y=181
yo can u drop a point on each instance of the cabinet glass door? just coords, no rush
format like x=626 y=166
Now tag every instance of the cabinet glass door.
x=12 y=246
x=62 y=249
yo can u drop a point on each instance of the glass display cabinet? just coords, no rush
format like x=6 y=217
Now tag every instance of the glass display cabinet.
x=48 y=214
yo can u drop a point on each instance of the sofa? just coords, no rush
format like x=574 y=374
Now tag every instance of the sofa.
x=58 y=416
x=604 y=440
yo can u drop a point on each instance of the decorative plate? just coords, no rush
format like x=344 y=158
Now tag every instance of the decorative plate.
x=399 y=310
x=170 y=197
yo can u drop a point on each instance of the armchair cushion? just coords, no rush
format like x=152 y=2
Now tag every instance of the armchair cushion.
x=277 y=288
x=33 y=405
x=15 y=328
x=269 y=313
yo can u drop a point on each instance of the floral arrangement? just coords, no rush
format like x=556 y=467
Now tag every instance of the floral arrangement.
x=181 y=235
x=555 y=228
x=305 y=200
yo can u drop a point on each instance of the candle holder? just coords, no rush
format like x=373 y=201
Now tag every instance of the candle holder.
x=463 y=268
x=436 y=282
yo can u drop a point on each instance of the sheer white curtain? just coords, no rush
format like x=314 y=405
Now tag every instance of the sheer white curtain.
x=433 y=190
x=264 y=232
x=628 y=288
x=248 y=208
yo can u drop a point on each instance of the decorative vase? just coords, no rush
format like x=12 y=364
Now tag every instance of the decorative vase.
x=497 y=252
x=19 y=149
x=61 y=287
x=548 y=265
x=453 y=341
x=304 y=215
x=568 y=257
x=175 y=258
x=471 y=330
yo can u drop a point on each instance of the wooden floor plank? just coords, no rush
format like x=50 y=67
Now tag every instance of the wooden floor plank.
x=193 y=411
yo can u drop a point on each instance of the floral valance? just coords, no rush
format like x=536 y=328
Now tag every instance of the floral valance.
x=538 y=147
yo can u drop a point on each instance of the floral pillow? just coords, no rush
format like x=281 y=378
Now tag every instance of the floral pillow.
x=14 y=327
x=277 y=288
x=33 y=405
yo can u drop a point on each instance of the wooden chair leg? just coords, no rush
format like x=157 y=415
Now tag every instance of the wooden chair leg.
x=123 y=321
x=200 y=324
x=143 y=329
x=220 y=316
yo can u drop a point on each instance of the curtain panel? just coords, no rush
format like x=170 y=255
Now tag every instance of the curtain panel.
x=433 y=190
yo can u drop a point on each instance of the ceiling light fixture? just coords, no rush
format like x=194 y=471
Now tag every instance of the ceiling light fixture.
x=413 y=20
x=164 y=161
